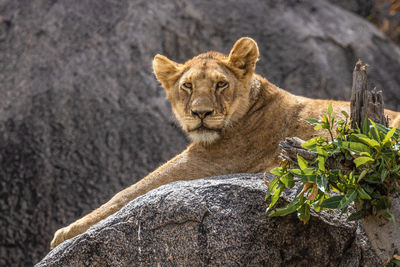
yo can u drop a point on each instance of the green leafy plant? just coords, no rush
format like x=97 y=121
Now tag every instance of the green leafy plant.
x=394 y=261
x=360 y=165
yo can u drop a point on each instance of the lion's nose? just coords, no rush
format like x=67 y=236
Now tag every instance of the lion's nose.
x=202 y=113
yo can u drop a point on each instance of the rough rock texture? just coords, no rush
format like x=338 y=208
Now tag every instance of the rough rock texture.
x=384 y=236
x=81 y=115
x=363 y=8
x=384 y=14
x=218 y=221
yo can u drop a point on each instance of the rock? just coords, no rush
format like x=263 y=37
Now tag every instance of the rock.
x=218 y=221
x=384 y=236
x=81 y=115
x=384 y=14
x=364 y=8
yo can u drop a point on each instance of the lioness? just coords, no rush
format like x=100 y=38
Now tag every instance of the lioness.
x=234 y=117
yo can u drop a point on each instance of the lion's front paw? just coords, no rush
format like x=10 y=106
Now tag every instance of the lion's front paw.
x=59 y=237
x=74 y=229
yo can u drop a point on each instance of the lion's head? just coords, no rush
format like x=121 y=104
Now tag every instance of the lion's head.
x=211 y=91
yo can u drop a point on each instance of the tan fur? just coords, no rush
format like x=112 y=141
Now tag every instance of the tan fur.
x=243 y=123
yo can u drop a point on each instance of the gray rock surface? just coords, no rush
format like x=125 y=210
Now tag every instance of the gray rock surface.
x=364 y=8
x=384 y=236
x=81 y=115
x=218 y=221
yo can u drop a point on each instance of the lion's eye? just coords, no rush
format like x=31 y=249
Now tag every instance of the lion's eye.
x=221 y=84
x=187 y=86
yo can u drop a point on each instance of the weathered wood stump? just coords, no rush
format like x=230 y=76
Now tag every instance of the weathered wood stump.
x=364 y=102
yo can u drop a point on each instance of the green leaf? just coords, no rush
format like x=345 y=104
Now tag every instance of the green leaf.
x=372 y=180
x=365 y=126
x=296 y=172
x=322 y=151
x=385 y=130
x=362 y=175
x=320 y=198
x=325 y=119
x=388 y=136
x=301 y=173
x=369 y=189
x=318 y=127
x=306 y=175
x=303 y=164
x=348 y=198
x=330 y=110
x=397 y=262
x=356 y=147
x=346 y=115
x=384 y=173
x=304 y=213
x=322 y=183
x=376 y=132
x=275 y=196
x=277 y=171
x=287 y=180
x=312 y=142
x=368 y=141
x=290 y=208
x=363 y=160
x=352 y=177
x=332 y=202
x=272 y=187
x=321 y=163
x=311 y=121
x=363 y=194
x=365 y=154
x=356 y=215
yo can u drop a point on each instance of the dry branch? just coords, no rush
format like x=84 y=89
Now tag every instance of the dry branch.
x=291 y=146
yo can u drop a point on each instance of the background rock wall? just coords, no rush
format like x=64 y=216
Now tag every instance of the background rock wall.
x=82 y=116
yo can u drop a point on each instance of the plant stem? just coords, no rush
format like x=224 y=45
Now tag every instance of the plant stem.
x=330 y=133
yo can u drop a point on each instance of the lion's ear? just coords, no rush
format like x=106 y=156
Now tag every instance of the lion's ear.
x=244 y=56
x=166 y=70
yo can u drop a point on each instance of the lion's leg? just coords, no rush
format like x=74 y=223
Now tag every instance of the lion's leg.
x=396 y=122
x=81 y=225
x=182 y=167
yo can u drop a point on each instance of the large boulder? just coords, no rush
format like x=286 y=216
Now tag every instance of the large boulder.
x=363 y=8
x=219 y=221
x=81 y=115
x=383 y=14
